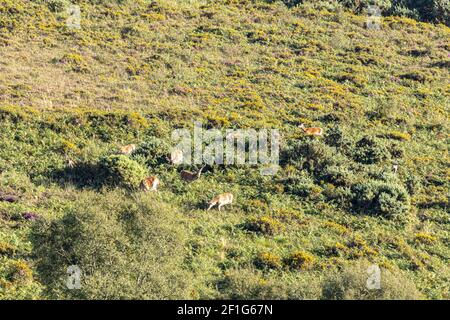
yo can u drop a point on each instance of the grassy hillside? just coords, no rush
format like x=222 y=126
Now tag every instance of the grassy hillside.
x=136 y=70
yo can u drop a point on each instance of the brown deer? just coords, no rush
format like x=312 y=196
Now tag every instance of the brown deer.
x=221 y=199
x=316 y=131
x=128 y=149
x=150 y=184
x=190 y=176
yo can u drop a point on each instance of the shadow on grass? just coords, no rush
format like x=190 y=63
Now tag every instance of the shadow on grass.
x=81 y=175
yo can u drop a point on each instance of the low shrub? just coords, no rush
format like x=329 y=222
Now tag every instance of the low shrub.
x=370 y=150
x=267 y=260
x=413 y=185
x=300 y=260
x=7 y=249
x=337 y=175
x=424 y=238
x=251 y=284
x=263 y=225
x=58 y=5
x=350 y=283
x=336 y=138
x=126 y=249
x=153 y=150
x=122 y=171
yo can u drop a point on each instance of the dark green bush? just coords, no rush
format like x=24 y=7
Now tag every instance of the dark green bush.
x=303 y=187
x=263 y=225
x=380 y=198
x=251 y=284
x=153 y=151
x=370 y=150
x=122 y=171
x=311 y=155
x=58 y=5
x=425 y=10
x=413 y=185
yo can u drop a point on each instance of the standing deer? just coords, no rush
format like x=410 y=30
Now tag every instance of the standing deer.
x=395 y=168
x=150 y=184
x=128 y=149
x=190 y=176
x=221 y=199
x=316 y=131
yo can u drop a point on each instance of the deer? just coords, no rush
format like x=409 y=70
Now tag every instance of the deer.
x=128 y=149
x=316 y=131
x=395 y=168
x=69 y=162
x=150 y=184
x=221 y=199
x=190 y=176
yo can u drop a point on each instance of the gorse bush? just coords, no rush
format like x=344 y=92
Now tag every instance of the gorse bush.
x=300 y=260
x=58 y=5
x=263 y=225
x=122 y=171
x=125 y=248
x=66 y=200
x=335 y=137
x=386 y=199
x=267 y=260
x=153 y=151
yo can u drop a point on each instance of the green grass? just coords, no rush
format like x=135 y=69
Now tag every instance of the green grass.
x=135 y=71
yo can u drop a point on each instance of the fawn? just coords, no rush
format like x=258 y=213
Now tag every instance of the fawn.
x=311 y=131
x=221 y=199
x=128 y=149
x=150 y=184
x=190 y=176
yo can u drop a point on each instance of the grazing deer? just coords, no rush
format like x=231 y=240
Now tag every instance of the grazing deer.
x=176 y=157
x=221 y=199
x=311 y=131
x=150 y=184
x=190 y=176
x=128 y=149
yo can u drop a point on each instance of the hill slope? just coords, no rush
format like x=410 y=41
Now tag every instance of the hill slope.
x=137 y=70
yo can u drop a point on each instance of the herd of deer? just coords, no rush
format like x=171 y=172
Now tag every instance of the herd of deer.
x=151 y=183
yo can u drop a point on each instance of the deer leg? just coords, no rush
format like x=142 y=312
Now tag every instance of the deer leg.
x=210 y=206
